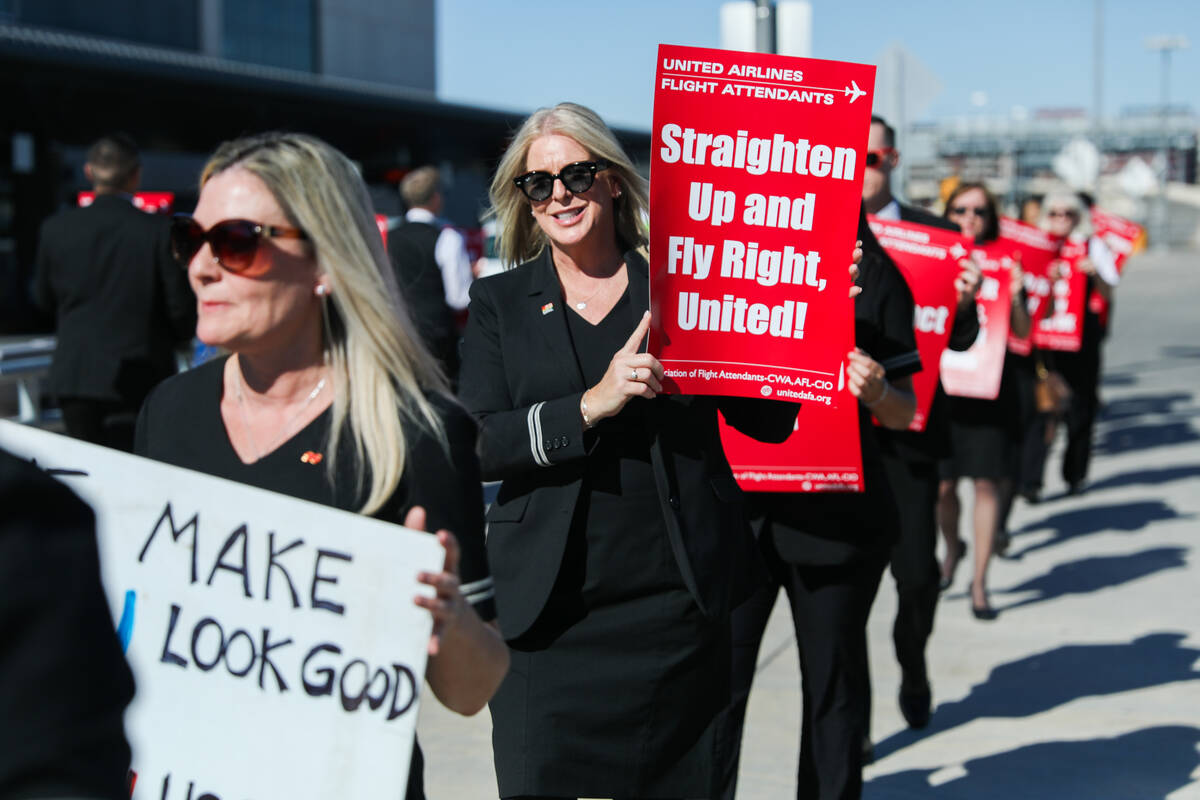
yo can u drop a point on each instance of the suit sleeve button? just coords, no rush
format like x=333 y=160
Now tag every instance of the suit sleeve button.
x=674 y=501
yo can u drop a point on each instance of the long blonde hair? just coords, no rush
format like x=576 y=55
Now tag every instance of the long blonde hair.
x=381 y=368
x=518 y=237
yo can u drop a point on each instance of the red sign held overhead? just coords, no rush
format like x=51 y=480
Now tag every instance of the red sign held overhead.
x=929 y=260
x=757 y=162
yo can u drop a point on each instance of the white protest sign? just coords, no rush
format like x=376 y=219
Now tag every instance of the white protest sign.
x=275 y=643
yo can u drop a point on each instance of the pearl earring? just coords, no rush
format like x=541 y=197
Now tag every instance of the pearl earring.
x=321 y=290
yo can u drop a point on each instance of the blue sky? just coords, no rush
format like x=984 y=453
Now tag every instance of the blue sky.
x=522 y=54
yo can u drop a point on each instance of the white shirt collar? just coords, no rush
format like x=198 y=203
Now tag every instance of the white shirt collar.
x=891 y=211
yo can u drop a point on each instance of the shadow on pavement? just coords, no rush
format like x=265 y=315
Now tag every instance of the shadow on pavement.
x=1147 y=477
x=1128 y=407
x=1089 y=575
x=1043 y=681
x=1148 y=763
x=1067 y=525
x=1127 y=438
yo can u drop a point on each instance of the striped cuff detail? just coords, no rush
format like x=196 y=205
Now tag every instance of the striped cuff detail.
x=910 y=359
x=534 y=421
x=477 y=592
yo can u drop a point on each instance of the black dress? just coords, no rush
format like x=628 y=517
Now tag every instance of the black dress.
x=181 y=424
x=609 y=692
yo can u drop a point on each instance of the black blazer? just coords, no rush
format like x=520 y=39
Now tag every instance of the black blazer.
x=521 y=381
x=121 y=301
x=922 y=217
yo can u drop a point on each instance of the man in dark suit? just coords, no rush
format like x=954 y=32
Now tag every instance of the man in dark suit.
x=64 y=684
x=121 y=302
x=432 y=266
x=911 y=458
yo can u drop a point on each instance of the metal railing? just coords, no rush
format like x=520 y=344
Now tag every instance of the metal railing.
x=24 y=362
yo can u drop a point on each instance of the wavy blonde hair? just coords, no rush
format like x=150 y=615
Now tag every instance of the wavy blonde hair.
x=380 y=366
x=519 y=238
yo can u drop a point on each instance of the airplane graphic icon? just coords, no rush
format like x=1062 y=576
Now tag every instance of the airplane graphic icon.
x=853 y=92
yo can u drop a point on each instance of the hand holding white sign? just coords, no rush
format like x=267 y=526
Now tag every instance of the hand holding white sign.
x=461 y=679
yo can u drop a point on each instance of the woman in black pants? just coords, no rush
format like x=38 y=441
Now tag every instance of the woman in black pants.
x=828 y=551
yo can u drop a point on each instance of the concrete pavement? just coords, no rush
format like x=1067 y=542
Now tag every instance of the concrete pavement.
x=1088 y=684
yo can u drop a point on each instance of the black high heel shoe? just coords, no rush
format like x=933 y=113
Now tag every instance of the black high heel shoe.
x=983 y=613
x=947 y=580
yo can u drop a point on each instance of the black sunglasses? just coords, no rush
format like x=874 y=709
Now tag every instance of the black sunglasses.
x=980 y=211
x=234 y=242
x=577 y=177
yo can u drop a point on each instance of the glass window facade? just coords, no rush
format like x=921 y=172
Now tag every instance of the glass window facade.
x=278 y=33
x=166 y=24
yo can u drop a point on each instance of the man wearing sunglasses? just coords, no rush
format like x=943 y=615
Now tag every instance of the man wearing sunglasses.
x=911 y=458
x=121 y=305
x=432 y=266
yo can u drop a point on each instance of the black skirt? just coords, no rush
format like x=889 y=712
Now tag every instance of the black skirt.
x=985 y=435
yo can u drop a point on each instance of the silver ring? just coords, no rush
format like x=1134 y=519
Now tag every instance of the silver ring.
x=633 y=375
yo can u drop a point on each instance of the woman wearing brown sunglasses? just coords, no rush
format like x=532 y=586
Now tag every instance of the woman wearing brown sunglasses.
x=617 y=538
x=328 y=393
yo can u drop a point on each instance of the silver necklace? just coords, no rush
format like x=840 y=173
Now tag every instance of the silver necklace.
x=291 y=420
x=582 y=304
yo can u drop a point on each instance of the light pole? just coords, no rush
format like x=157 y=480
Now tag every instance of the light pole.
x=1165 y=45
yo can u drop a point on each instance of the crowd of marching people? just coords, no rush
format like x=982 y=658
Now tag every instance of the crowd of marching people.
x=609 y=605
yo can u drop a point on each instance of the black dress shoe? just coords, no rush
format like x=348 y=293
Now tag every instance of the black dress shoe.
x=1076 y=488
x=984 y=613
x=1031 y=494
x=915 y=705
x=868 y=751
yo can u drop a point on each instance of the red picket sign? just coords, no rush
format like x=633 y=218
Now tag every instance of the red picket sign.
x=758 y=164
x=1123 y=237
x=150 y=202
x=928 y=259
x=1061 y=326
x=975 y=372
x=381 y=224
x=1036 y=249
x=823 y=454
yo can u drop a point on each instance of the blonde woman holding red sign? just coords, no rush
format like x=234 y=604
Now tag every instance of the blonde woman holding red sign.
x=617 y=539
x=984 y=434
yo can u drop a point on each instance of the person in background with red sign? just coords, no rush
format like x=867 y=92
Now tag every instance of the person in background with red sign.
x=121 y=305
x=617 y=539
x=328 y=393
x=911 y=457
x=1063 y=215
x=984 y=434
x=828 y=551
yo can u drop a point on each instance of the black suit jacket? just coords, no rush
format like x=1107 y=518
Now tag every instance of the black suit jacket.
x=521 y=381
x=923 y=217
x=121 y=302
x=64 y=684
